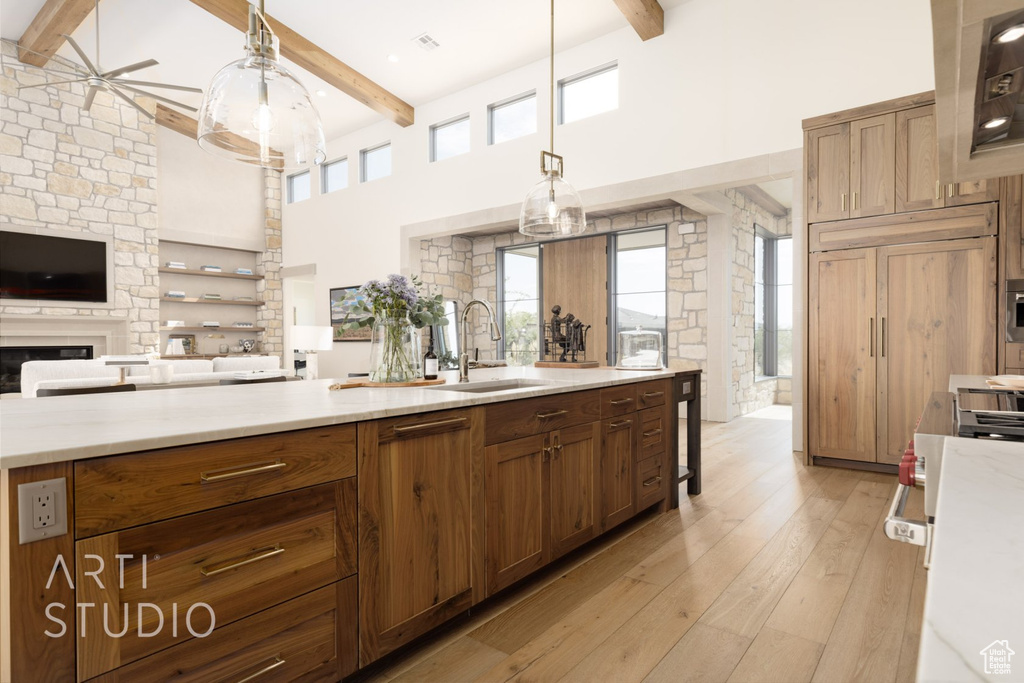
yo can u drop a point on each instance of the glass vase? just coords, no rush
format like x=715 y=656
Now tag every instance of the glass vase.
x=394 y=350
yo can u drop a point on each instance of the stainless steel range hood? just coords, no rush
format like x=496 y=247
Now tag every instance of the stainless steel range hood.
x=979 y=87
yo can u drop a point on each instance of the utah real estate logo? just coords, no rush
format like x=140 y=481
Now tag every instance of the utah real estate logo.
x=997 y=657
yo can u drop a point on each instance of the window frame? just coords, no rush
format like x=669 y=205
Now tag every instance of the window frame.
x=290 y=184
x=516 y=99
x=444 y=124
x=613 y=292
x=771 y=302
x=499 y=263
x=576 y=78
x=323 y=175
x=362 y=161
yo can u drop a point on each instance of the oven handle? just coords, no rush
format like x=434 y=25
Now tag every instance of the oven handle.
x=898 y=528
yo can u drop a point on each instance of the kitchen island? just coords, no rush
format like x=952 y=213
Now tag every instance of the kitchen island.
x=287 y=528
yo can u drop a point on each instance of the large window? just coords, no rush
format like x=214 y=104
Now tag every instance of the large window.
x=638 y=297
x=298 y=187
x=773 y=304
x=589 y=93
x=449 y=139
x=334 y=176
x=512 y=118
x=520 y=304
x=375 y=162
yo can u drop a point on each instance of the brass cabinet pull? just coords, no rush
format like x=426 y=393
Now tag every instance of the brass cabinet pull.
x=871 y=344
x=405 y=429
x=621 y=401
x=653 y=432
x=553 y=413
x=652 y=481
x=843 y=200
x=883 y=337
x=276 y=663
x=854 y=201
x=255 y=556
x=951 y=189
x=243 y=471
x=938 y=190
x=654 y=394
x=622 y=423
x=546 y=454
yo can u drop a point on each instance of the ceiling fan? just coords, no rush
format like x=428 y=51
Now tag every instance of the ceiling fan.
x=111 y=81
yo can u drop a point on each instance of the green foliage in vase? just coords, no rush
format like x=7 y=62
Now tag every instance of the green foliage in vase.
x=395 y=297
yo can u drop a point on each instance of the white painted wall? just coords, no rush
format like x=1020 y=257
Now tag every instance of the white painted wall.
x=206 y=195
x=730 y=79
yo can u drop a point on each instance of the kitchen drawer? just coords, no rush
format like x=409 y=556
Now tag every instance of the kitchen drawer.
x=651 y=482
x=618 y=400
x=516 y=419
x=311 y=638
x=130 y=490
x=1014 y=356
x=650 y=394
x=239 y=560
x=653 y=434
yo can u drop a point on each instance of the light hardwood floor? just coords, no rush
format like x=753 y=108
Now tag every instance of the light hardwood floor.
x=777 y=572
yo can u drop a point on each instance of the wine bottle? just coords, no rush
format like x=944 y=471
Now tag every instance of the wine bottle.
x=430 y=359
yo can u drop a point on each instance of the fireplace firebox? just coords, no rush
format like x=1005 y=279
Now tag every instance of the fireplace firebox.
x=11 y=358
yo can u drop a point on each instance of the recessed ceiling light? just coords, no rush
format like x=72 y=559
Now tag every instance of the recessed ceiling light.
x=1011 y=34
x=392 y=58
x=996 y=122
x=321 y=93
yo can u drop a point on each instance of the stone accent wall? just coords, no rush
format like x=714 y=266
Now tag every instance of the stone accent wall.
x=465 y=267
x=268 y=264
x=748 y=393
x=86 y=174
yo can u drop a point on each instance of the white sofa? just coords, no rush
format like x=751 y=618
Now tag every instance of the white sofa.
x=66 y=374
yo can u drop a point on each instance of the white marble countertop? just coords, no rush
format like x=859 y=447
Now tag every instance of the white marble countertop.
x=975 y=593
x=967 y=382
x=35 y=431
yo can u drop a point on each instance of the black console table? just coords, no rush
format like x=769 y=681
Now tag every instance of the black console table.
x=686 y=387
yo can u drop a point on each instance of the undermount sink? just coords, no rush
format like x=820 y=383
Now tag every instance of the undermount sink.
x=493 y=386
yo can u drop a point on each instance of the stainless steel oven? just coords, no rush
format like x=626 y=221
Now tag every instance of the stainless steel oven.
x=1015 y=310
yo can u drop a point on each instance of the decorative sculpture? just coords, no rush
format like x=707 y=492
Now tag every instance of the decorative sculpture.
x=565 y=338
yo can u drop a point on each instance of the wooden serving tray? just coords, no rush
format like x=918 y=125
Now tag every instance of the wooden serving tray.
x=367 y=383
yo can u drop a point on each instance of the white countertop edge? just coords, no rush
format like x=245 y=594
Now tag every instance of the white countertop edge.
x=68 y=428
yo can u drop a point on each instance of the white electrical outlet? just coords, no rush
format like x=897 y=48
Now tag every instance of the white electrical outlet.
x=42 y=510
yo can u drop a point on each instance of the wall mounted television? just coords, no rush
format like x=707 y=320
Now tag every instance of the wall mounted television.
x=44 y=268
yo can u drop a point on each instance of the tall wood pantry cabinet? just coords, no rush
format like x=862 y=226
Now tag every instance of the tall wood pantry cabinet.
x=902 y=278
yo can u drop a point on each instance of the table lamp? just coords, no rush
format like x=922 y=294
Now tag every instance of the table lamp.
x=309 y=339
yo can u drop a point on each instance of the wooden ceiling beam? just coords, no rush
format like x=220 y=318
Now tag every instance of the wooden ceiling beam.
x=767 y=202
x=189 y=127
x=317 y=61
x=45 y=35
x=647 y=17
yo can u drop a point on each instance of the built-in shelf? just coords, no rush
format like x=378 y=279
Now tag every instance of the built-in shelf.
x=208 y=273
x=227 y=302
x=222 y=328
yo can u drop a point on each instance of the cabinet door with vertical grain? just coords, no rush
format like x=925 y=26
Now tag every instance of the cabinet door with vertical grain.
x=841 y=354
x=972 y=192
x=618 y=460
x=415 y=521
x=917 y=160
x=938 y=305
x=575 y=277
x=517 y=509
x=574 y=481
x=873 y=166
x=828 y=173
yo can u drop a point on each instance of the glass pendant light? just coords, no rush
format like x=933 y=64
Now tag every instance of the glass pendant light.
x=552 y=207
x=257 y=112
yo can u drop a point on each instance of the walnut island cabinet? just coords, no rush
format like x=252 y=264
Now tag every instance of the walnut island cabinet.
x=306 y=554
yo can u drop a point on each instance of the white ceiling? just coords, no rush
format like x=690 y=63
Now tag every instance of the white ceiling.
x=479 y=40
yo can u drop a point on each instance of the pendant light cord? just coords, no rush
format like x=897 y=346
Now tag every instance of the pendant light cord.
x=98 y=35
x=551 y=78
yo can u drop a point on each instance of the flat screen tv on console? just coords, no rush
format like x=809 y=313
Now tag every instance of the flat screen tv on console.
x=45 y=268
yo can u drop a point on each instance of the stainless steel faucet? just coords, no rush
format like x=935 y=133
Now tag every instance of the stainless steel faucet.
x=495 y=335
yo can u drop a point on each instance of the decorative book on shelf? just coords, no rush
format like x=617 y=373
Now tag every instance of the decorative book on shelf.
x=175 y=294
x=211 y=269
x=244 y=325
x=210 y=323
x=175 y=323
x=243 y=271
x=176 y=264
x=244 y=298
x=212 y=297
